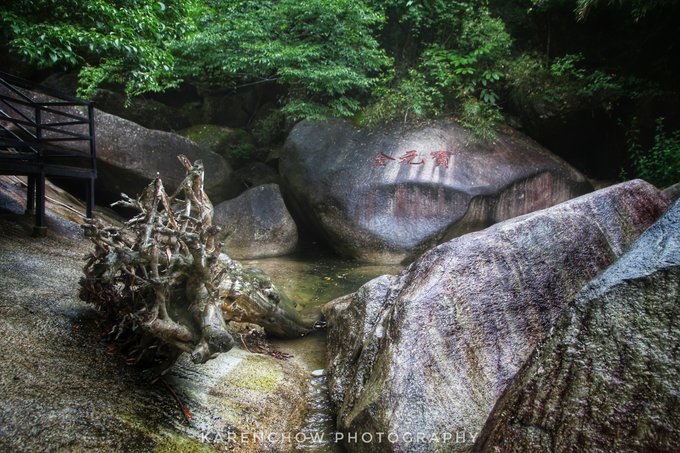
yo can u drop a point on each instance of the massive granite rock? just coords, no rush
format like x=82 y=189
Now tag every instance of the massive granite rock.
x=256 y=224
x=606 y=379
x=129 y=155
x=387 y=195
x=428 y=352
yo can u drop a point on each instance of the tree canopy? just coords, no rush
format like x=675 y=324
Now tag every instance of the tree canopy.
x=481 y=61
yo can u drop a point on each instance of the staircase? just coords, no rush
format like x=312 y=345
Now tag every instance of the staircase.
x=42 y=134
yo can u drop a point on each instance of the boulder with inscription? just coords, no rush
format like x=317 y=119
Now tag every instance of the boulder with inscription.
x=389 y=194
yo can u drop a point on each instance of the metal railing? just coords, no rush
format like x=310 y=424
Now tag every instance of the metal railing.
x=44 y=133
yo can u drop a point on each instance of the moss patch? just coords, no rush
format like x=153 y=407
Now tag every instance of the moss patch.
x=255 y=374
x=165 y=440
x=218 y=139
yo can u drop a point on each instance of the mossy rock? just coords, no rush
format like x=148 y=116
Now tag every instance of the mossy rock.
x=263 y=391
x=232 y=144
x=256 y=374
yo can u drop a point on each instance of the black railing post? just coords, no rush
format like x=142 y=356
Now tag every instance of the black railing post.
x=38 y=130
x=39 y=229
x=30 y=195
x=37 y=142
x=93 y=161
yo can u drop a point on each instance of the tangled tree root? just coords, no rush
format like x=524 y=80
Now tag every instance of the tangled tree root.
x=164 y=284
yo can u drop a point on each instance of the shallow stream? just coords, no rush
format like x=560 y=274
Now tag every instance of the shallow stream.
x=313 y=279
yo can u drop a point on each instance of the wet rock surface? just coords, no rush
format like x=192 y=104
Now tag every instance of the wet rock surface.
x=606 y=379
x=387 y=195
x=256 y=224
x=65 y=390
x=430 y=351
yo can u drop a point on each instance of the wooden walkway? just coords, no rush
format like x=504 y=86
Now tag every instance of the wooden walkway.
x=42 y=134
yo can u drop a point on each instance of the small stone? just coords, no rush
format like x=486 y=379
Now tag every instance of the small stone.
x=318 y=373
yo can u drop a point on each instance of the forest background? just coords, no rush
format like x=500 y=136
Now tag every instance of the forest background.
x=594 y=81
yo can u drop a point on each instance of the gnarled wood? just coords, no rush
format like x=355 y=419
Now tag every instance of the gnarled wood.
x=163 y=281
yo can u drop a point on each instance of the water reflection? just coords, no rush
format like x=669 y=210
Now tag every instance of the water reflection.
x=312 y=280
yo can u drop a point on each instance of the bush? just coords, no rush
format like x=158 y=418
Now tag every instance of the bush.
x=323 y=52
x=125 y=42
x=660 y=164
x=458 y=70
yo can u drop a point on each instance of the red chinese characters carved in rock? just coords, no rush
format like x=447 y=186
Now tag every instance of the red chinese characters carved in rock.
x=380 y=159
x=410 y=158
x=441 y=158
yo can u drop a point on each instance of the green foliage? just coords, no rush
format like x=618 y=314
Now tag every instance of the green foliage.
x=119 y=41
x=410 y=97
x=270 y=129
x=480 y=118
x=243 y=151
x=638 y=8
x=377 y=60
x=562 y=84
x=322 y=51
x=459 y=66
x=567 y=67
x=660 y=164
x=424 y=22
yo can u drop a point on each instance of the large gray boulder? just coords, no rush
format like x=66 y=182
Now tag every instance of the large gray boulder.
x=430 y=351
x=130 y=155
x=376 y=202
x=256 y=224
x=606 y=379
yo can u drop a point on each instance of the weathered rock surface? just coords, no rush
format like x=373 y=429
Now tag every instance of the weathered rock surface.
x=431 y=350
x=673 y=191
x=129 y=156
x=376 y=202
x=256 y=224
x=62 y=390
x=606 y=379
x=217 y=139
